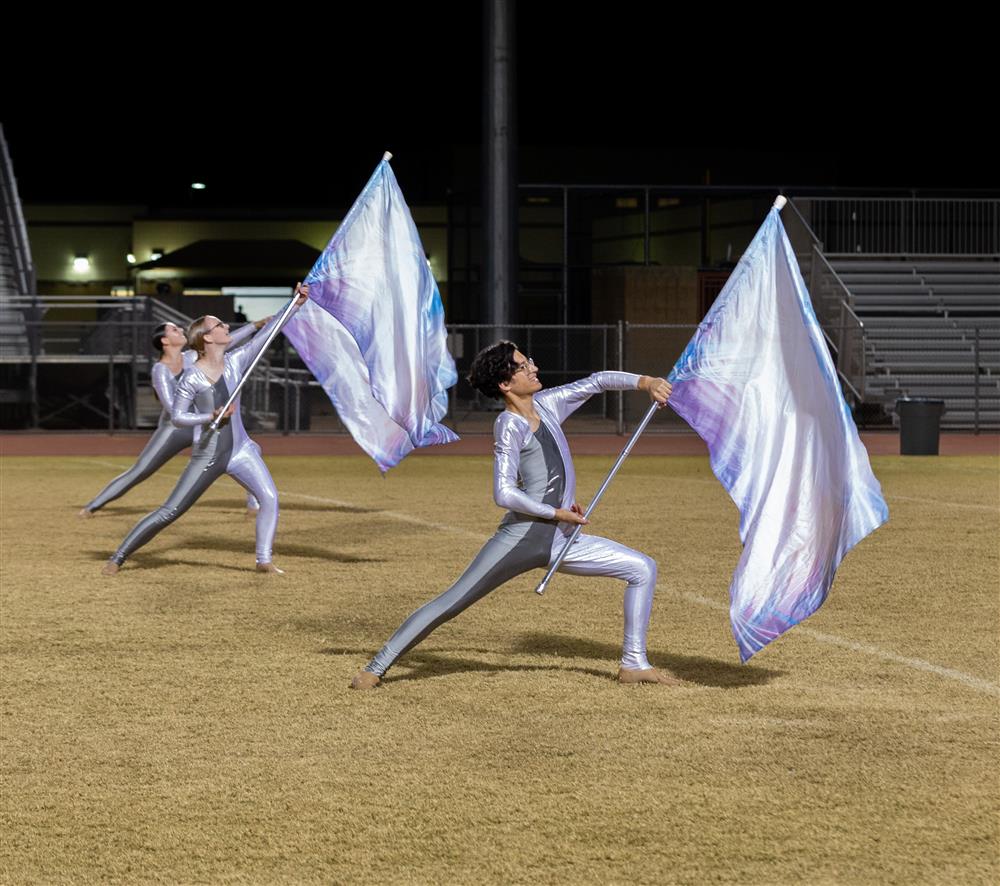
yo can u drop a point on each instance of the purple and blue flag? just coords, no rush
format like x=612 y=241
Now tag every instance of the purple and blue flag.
x=373 y=332
x=759 y=386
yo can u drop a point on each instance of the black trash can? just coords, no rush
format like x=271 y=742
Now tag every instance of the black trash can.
x=919 y=425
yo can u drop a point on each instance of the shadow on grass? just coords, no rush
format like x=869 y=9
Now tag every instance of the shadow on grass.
x=236 y=506
x=155 y=561
x=293 y=549
x=425 y=665
x=696 y=670
x=692 y=668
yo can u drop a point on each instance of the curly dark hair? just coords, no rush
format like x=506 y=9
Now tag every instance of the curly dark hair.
x=493 y=365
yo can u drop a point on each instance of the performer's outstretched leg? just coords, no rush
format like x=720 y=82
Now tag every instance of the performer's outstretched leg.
x=206 y=466
x=248 y=469
x=165 y=443
x=507 y=554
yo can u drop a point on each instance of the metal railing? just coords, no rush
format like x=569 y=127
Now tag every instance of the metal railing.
x=151 y=309
x=968 y=380
x=833 y=303
x=959 y=365
x=13 y=233
x=120 y=343
x=842 y=327
x=891 y=361
x=289 y=410
x=900 y=226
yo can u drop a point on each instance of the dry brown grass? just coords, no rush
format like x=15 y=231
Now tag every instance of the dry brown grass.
x=189 y=721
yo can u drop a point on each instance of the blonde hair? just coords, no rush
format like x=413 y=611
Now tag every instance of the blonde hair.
x=196 y=334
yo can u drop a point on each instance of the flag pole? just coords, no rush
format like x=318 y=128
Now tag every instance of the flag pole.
x=593 y=504
x=779 y=204
x=214 y=426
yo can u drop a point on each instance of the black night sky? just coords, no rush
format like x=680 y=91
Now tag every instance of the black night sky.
x=600 y=100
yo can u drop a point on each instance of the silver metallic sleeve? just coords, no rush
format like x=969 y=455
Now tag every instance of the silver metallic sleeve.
x=510 y=434
x=184 y=396
x=241 y=336
x=243 y=356
x=163 y=384
x=564 y=400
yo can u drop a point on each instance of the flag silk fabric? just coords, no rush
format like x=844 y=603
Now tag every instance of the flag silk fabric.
x=758 y=384
x=373 y=333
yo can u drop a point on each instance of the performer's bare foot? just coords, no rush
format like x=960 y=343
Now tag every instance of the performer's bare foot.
x=647 y=675
x=364 y=680
x=83 y=513
x=270 y=569
x=110 y=568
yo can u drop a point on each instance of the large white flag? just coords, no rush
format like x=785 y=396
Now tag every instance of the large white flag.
x=373 y=333
x=758 y=384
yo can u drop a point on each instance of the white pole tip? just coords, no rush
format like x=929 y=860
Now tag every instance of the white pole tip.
x=779 y=202
x=387 y=156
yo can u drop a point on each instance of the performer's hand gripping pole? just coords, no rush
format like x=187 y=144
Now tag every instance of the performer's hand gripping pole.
x=214 y=426
x=593 y=504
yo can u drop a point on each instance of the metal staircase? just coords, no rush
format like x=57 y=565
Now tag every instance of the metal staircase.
x=911 y=325
x=17 y=277
x=932 y=329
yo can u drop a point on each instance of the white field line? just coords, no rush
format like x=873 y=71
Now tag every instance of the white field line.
x=918 y=664
x=977 y=683
x=951 y=504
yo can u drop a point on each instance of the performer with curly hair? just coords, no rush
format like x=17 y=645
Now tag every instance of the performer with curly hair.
x=533 y=478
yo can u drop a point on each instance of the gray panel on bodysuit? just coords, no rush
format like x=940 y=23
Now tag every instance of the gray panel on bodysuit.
x=211 y=445
x=541 y=468
x=522 y=542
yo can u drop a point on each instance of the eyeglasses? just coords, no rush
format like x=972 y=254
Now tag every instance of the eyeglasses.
x=528 y=361
x=216 y=326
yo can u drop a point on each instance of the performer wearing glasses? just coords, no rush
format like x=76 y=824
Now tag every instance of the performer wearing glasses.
x=533 y=478
x=167 y=440
x=201 y=394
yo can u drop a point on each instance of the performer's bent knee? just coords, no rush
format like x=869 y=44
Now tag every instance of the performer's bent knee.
x=643 y=571
x=266 y=498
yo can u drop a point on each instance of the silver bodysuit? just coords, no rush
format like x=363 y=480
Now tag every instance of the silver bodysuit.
x=533 y=476
x=168 y=439
x=226 y=451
